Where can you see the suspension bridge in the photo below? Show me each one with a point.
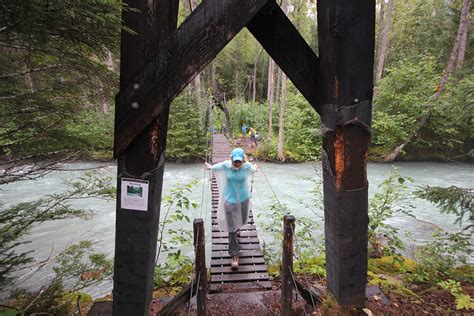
(252, 274)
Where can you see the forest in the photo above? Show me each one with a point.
(59, 77)
(59, 74)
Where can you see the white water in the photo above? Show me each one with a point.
(286, 181)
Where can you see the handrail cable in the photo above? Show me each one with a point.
(298, 249)
(294, 284)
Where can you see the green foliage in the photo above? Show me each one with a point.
(423, 27)
(311, 264)
(186, 136)
(16, 221)
(94, 133)
(56, 66)
(403, 97)
(391, 265)
(389, 284)
(78, 267)
(436, 260)
(304, 239)
(390, 200)
(177, 268)
(251, 114)
(451, 200)
(268, 148)
(303, 138)
(463, 300)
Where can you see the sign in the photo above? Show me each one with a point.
(134, 194)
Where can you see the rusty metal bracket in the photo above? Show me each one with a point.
(333, 115)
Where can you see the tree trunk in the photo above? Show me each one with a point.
(281, 129)
(254, 75)
(213, 78)
(197, 79)
(383, 44)
(270, 93)
(381, 17)
(463, 22)
(278, 85)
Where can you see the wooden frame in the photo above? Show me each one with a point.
(338, 85)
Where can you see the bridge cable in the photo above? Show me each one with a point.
(297, 248)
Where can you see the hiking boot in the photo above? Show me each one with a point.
(235, 263)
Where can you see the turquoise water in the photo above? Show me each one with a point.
(289, 182)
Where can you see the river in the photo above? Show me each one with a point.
(287, 181)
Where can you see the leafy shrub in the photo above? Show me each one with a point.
(176, 270)
(387, 202)
(463, 300)
(436, 260)
(303, 138)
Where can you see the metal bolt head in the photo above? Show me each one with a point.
(136, 86)
(135, 105)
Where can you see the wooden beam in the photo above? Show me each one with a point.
(200, 265)
(137, 230)
(346, 32)
(282, 41)
(287, 283)
(186, 52)
(171, 308)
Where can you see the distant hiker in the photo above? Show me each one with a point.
(244, 132)
(253, 134)
(233, 179)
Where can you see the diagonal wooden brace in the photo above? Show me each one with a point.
(184, 54)
(282, 41)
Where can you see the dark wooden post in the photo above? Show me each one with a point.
(346, 47)
(200, 262)
(287, 283)
(142, 162)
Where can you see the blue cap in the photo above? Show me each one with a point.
(238, 154)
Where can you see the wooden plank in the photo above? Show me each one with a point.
(242, 261)
(242, 253)
(242, 240)
(242, 269)
(241, 246)
(240, 277)
(248, 286)
(197, 41)
(246, 227)
(243, 233)
(282, 41)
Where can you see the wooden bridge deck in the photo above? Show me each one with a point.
(252, 274)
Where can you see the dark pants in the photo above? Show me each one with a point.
(233, 238)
